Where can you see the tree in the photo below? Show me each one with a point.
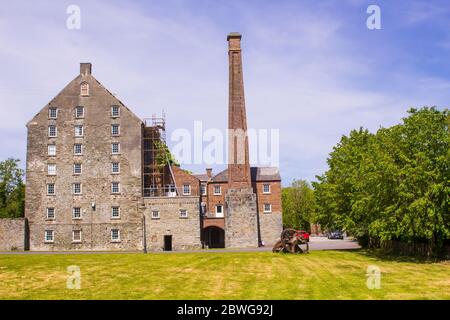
(392, 185)
(298, 205)
(12, 189)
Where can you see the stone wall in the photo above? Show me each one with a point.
(270, 227)
(185, 232)
(12, 234)
(241, 218)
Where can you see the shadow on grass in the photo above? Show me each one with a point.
(386, 256)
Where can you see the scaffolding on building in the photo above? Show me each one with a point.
(157, 176)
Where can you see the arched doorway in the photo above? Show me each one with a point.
(214, 237)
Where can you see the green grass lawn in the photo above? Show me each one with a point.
(249, 275)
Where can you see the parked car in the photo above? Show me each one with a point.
(336, 235)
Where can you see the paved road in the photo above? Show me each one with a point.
(316, 243)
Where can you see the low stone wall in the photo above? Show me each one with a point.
(12, 234)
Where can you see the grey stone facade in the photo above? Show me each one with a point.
(241, 229)
(12, 234)
(96, 199)
(184, 231)
(270, 227)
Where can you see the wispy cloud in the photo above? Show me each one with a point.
(311, 69)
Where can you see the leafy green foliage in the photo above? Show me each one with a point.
(392, 185)
(12, 189)
(298, 205)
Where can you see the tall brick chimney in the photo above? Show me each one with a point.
(238, 154)
(85, 68)
(209, 172)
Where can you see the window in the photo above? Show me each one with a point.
(77, 168)
(217, 190)
(155, 214)
(51, 169)
(50, 213)
(115, 129)
(77, 149)
(76, 188)
(115, 148)
(115, 212)
(219, 210)
(115, 235)
(49, 236)
(115, 167)
(50, 188)
(79, 131)
(76, 213)
(267, 207)
(84, 89)
(186, 189)
(52, 131)
(115, 111)
(79, 112)
(183, 213)
(51, 149)
(53, 113)
(266, 188)
(203, 189)
(115, 187)
(76, 235)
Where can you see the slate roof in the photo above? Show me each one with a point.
(257, 174)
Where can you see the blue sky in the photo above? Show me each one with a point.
(311, 68)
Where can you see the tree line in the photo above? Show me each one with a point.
(12, 189)
(392, 185)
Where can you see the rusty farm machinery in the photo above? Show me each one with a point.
(292, 241)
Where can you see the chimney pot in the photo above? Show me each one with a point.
(85, 68)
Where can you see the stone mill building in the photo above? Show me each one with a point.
(99, 178)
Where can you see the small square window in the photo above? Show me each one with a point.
(183, 213)
(186, 189)
(53, 113)
(52, 131)
(50, 188)
(115, 235)
(76, 213)
(76, 235)
(155, 214)
(51, 149)
(115, 167)
(79, 131)
(115, 212)
(115, 111)
(115, 129)
(76, 188)
(77, 149)
(217, 190)
(79, 112)
(267, 207)
(49, 236)
(77, 168)
(50, 213)
(115, 187)
(51, 169)
(266, 188)
(115, 148)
